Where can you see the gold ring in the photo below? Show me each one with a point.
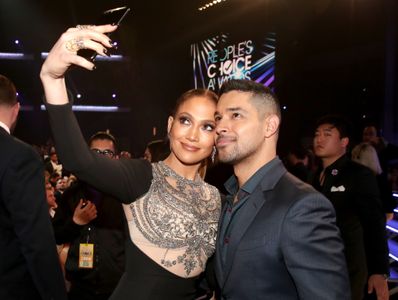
(74, 45)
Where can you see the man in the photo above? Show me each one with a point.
(89, 220)
(277, 236)
(352, 188)
(53, 165)
(29, 267)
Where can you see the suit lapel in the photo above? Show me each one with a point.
(256, 201)
(218, 268)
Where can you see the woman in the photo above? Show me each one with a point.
(172, 213)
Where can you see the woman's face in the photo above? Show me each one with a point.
(192, 130)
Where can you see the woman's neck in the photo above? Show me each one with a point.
(188, 171)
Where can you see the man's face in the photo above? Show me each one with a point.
(239, 128)
(51, 201)
(61, 184)
(327, 142)
(104, 147)
(369, 135)
(54, 157)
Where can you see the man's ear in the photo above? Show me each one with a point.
(169, 124)
(271, 125)
(345, 141)
(15, 111)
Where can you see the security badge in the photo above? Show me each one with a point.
(86, 256)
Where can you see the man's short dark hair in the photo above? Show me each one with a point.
(339, 122)
(261, 95)
(102, 135)
(8, 93)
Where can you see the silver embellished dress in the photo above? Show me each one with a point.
(172, 228)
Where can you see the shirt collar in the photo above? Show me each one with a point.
(232, 186)
(5, 127)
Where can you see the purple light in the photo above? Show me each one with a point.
(113, 96)
(270, 80)
(78, 96)
(17, 94)
(284, 107)
(16, 42)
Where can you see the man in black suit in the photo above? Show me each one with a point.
(277, 236)
(29, 266)
(353, 190)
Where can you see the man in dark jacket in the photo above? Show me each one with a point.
(29, 267)
(353, 190)
(92, 223)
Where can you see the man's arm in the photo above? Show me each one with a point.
(313, 250)
(25, 200)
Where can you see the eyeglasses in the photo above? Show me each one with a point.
(105, 152)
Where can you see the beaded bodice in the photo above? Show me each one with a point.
(178, 214)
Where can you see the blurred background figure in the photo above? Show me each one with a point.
(53, 165)
(86, 217)
(365, 154)
(298, 162)
(157, 150)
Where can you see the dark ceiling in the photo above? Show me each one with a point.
(331, 57)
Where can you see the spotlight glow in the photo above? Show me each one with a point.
(78, 96)
(16, 42)
(210, 4)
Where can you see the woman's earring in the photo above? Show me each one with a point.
(213, 154)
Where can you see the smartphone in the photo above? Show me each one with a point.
(112, 16)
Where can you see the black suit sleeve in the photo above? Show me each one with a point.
(65, 229)
(367, 201)
(125, 179)
(23, 188)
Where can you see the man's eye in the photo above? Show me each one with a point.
(236, 115)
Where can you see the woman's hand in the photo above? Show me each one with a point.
(64, 54)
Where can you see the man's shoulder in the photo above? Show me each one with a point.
(14, 147)
(293, 189)
(353, 168)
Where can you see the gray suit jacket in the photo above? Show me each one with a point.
(287, 245)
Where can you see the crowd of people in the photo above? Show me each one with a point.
(163, 226)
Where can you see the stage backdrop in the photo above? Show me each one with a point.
(225, 56)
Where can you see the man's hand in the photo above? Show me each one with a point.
(84, 214)
(378, 283)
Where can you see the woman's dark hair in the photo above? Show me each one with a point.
(159, 150)
(194, 93)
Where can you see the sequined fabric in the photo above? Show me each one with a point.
(178, 213)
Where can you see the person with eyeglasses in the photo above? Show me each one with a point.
(92, 224)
